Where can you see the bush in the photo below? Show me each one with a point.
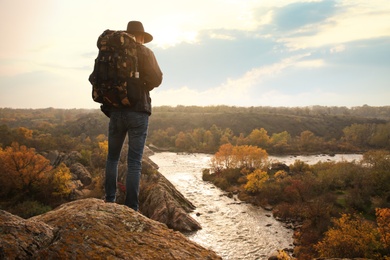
(30, 208)
(221, 183)
(232, 175)
(351, 237)
(206, 175)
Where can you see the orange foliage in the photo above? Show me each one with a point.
(383, 221)
(229, 156)
(351, 237)
(25, 132)
(21, 169)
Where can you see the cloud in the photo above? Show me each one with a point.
(301, 14)
(210, 51)
(248, 89)
(350, 23)
(338, 48)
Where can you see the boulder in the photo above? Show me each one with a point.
(81, 173)
(92, 229)
(56, 158)
(161, 201)
(22, 239)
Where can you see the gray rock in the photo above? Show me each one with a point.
(81, 173)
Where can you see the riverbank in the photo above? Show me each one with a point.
(307, 194)
(230, 227)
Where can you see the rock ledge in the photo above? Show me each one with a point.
(92, 229)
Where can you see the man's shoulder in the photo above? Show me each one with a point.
(143, 49)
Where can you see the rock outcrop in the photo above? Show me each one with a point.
(92, 229)
(159, 199)
(81, 178)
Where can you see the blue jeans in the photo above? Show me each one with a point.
(135, 126)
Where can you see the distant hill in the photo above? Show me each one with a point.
(322, 121)
(327, 122)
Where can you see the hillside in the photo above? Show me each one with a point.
(328, 126)
(327, 122)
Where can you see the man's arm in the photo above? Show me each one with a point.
(150, 73)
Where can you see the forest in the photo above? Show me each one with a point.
(326, 199)
(308, 130)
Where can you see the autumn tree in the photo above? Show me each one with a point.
(250, 157)
(383, 221)
(379, 163)
(25, 133)
(22, 170)
(358, 134)
(309, 142)
(280, 141)
(259, 137)
(227, 136)
(185, 142)
(57, 183)
(351, 237)
(224, 157)
(256, 180)
(229, 156)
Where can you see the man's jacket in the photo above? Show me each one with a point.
(150, 77)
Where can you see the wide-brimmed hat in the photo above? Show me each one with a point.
(135, 27)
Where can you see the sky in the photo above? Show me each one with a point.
(280, 53)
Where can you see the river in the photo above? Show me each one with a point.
(232, 229)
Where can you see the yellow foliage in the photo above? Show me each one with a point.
(351, 237)
(259, 137)
(101, 138)
(280, 175)
(383, 221)
(25, 132)
(103, 146)
(229, 156)
(60, 181)
(256, 180)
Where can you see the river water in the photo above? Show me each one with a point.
(232, 229)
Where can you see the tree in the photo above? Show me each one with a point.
(256, 181)
(383, 221)
(380, 138)
(25, 133)
(227, 136)
(379, 162)
(358, 134)
(259, 137)
(351, 237)
(58, 181)
(251, 157)
(22, 170)
(229, 156)
(308, 142)
(224, 157)
(280, 141)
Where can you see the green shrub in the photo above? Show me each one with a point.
(29, 208)
(206, 175)
(221, 183)
(232, 175)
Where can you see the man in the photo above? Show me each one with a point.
(132, 121)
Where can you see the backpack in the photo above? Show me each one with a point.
(115, 70)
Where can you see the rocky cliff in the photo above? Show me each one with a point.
(159, 199)
(92, 229)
